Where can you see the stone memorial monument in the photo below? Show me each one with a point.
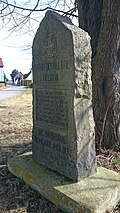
(63, 126)
(63, 158)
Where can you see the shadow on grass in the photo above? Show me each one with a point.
(15, 195)
(10, 150)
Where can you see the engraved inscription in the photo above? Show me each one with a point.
(52, 107)
(54, 66)
(49, 138)
(53, 146)
(53, 149)
(50, 77)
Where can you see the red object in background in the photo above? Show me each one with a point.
(1, 63)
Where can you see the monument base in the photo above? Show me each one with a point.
(99, 193)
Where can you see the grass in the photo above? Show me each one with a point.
(15, 138)
(15, 125)
(117, 161)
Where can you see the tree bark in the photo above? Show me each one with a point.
(100, 18)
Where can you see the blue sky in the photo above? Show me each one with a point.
(15, 45)
(13, 54)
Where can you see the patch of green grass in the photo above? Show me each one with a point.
(117, 161)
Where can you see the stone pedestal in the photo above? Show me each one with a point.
(98, 193)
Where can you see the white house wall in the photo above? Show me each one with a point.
(1, 74)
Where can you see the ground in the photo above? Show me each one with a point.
(15, 138)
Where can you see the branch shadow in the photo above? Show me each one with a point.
(15, 194)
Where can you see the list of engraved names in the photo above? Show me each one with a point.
(52, 107)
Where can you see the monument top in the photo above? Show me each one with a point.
(50, 14)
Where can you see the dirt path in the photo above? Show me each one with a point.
(11, 91)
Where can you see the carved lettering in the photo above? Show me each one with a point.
(52, 66)
(53, 146)
(50, 77)
(52, 107)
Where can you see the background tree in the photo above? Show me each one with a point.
(13, 74)
(101, 19)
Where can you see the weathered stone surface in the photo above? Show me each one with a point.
(63, 127)
(98, 193)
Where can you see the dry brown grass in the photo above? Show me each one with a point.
(15, 138)
(15, 124)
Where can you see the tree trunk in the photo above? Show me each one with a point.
(100, 18)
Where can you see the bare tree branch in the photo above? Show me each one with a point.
(19, 19)
(38, 10)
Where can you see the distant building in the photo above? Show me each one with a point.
(2, 75)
